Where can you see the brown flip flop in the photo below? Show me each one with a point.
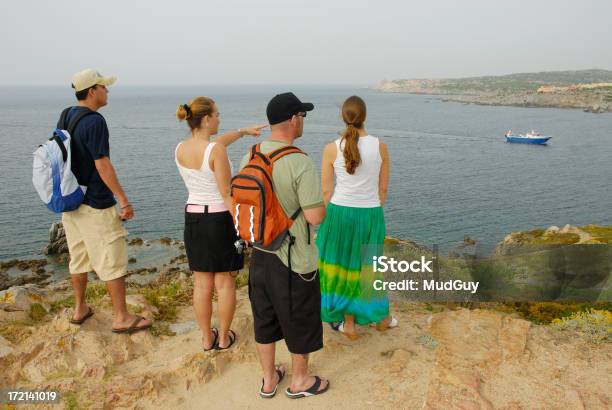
(133, 327)
(82, 320)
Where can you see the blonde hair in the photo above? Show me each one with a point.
(195, 110)
(353, 115)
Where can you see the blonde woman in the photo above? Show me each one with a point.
(209, 233)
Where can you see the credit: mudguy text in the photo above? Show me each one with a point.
(384, 264)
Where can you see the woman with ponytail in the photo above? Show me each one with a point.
(354, 224)
(209, 232)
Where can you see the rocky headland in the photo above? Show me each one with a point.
(589, 90)
(442, 356)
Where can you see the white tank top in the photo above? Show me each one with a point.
(201, 183)
(359, 190)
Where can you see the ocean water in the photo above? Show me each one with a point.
(452, 174)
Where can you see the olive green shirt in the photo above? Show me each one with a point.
(297, 185)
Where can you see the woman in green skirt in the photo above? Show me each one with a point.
(354, 228)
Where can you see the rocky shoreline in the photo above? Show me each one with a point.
(588, 90)
(443, 355)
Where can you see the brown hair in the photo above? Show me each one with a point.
(353, 115)
(198, 108)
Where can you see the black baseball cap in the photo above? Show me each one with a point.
(284, 106)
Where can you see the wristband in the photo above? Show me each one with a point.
(127, 206)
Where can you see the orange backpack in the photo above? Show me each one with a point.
(258, 216)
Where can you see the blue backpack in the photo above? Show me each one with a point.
(52, 175)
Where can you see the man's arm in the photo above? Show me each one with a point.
(327, 172)
(315, 216)
(309, 193)
(109, 177)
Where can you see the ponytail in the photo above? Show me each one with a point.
(353, 115)
(352, 157)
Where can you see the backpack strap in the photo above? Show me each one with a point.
(74, 121)
(59, 138)
(281, 152)
(256, 151)
(61, 123)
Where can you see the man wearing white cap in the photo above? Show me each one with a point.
(94, 232)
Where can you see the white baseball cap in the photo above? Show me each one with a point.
(88, 78)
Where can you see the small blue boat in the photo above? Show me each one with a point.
(528, 138)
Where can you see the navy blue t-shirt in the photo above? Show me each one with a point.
(90, 142)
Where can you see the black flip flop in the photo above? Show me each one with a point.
(311, 391)
(82, 320)
(133, 327)
(215, 340)
(334, 325)
(232, 338)
(269, 395)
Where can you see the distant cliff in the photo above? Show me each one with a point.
(590, 90)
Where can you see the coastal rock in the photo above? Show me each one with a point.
(474, 346)
(588, 90)
(57, 240)
(34, 265)
(182, 258)
(136, 242)
(141, 303)
(181, 328)
(38, 277)
(5, 347)
(14, 299)
(13, 316)
(21, 298)
(480, 359)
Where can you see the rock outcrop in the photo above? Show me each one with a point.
(446, 359)
(57, 240)
(589, 90)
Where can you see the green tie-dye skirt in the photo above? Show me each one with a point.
(347, 240)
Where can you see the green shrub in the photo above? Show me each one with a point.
(595, 324)
(37, 312)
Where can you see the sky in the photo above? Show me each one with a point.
(187, 42)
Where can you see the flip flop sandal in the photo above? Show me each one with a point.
(268, 395)
(133, 327)
(351, 336)
(392, 323)
(82, 320)
(215, 332)
(334, 325)
(311, 391)
(232, 338)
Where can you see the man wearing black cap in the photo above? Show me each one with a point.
(289, 306)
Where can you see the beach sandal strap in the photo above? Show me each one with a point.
(82, 320)
(215, 333)
(133, 326)
(315, 387)
(232, 337)
(281, 375)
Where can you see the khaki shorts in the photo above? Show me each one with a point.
(97, 241)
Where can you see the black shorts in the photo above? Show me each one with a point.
(284, 305)
(209, 242)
